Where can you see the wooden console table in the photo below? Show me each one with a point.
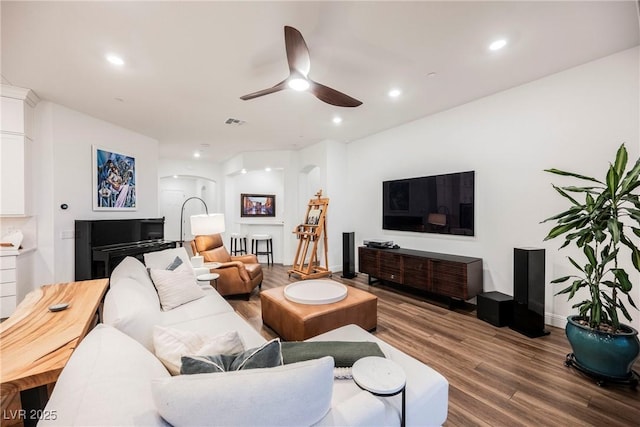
(35, 344)
(452, 276)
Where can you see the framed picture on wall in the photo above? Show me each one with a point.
(114, 181)
(257, 205)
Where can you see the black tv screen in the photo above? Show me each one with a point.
(431, 204)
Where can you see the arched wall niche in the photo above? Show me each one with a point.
(173, 191)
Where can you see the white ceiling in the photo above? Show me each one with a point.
(187, 63)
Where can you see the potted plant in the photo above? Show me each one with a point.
(602, 221)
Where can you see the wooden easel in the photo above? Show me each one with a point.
(309, 234)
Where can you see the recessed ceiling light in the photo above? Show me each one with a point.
(243, 171)
(298, 84)
(115, 60)
(267, 169)
(394, 93)
(498, 44)
(196, 154)
(337, 120)
(175, 176)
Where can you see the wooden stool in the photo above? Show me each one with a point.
(238, 244)
(256, 239)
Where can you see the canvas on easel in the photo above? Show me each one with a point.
(307, 263)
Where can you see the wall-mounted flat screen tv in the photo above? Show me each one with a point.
(431, 204)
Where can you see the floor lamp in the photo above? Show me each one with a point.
(182, 214)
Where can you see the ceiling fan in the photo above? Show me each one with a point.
(299, 66)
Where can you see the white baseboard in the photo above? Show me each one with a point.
(555, 320)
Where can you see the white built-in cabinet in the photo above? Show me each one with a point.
(16, 142)
(8, 280)
(16, 124)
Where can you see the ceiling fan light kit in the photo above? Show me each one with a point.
(299, 66)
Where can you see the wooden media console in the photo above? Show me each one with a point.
(453, 276)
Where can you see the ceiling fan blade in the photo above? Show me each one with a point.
(332, 96)
(297, 51)
(280, 86)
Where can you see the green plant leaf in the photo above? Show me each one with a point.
(574, 189)
(570, 212)
(562, 229)
(631, 176)
(565, 195)
(621, 160)
(636, 231)
(623, 279)
(575, 175)
(590, 254)
(631, 303)
(575, 264)
(612, 180)
(614, 228)
(561, 279)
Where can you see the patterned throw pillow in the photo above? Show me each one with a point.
(267, 356)
(170, 344)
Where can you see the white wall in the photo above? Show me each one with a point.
(63, 174)
(573, 120)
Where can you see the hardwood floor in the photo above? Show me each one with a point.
(497, 377)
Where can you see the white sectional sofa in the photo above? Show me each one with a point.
(113, 377)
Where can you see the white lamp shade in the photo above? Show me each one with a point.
(207, 224)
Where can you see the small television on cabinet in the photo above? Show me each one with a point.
(431, 204)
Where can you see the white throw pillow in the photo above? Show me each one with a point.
(290, 395)
(175, 287)
(171, 344)
(162, 259)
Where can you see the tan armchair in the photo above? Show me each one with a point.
(238, 274)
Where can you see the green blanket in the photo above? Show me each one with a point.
(344, 353)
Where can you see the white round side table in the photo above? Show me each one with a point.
(381, 377)
(209, 277)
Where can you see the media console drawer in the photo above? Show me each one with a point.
(453, 276)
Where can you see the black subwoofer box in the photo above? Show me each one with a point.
(495, 308)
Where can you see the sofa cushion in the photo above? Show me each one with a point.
(268, 355)
(133, 309)
(243, 398)
(107, 381)
(170, 344)
(175, 287)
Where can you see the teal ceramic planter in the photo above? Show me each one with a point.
(601, 353)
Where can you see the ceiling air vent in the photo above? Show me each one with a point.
(235, 122)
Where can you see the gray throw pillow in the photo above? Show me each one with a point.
(344, 353)
(267, 356)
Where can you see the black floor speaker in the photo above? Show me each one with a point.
(348, 255)
(528, 292)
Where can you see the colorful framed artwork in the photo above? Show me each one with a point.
(114, 181)
(257, 205)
